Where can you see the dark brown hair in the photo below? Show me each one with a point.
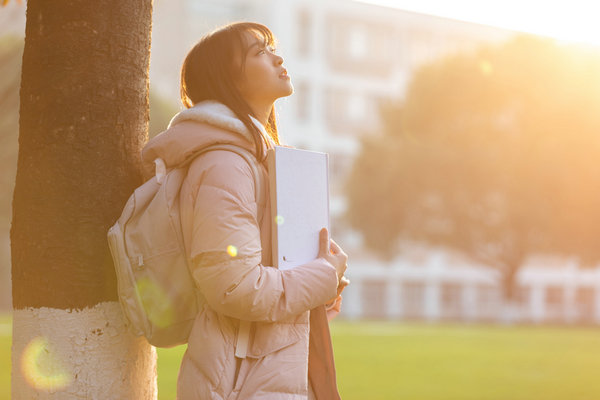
(209, 72)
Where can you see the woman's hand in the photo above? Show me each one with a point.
(334, 306)
(329, 250)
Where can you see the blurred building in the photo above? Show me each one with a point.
(345, 59)
(439, 286)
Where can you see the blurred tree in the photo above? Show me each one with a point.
(494, 154)
(83, 120)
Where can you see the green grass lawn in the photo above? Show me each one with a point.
(416, 361)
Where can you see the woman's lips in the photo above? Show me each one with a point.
(284, 75)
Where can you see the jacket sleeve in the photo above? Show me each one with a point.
(226, 250)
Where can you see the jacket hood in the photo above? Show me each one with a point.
(195, 128)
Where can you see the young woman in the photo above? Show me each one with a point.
(261, 333)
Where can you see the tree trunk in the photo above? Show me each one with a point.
(83, 120)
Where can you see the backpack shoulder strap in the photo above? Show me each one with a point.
(247, 156)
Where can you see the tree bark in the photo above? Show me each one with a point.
(83, 120)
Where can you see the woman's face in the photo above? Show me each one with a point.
(263, 79)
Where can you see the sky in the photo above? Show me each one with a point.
(573, 20)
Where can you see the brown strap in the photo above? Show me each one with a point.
(321, 367)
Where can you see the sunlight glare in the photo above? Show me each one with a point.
(156, 302)
(486, 68)
(232, 250)
(573, 21)
(42, 368)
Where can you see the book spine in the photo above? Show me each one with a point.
(328, 194)
(272, 171)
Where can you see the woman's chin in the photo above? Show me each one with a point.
(290, 89)
(284, 90)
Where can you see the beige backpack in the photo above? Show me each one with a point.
(156, 291)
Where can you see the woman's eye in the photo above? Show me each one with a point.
(269, 49)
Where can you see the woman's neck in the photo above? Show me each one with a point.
(262, 112)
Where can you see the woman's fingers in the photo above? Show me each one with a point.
(335, 249)
(342, 285)
(323, 242)
(333, 253)
(344, 282)
(338, 253)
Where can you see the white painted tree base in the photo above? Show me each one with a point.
(86, 354)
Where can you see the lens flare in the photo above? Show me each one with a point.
(42, 367)
(156, 302)
(279, 220)
(486, 68)
(232, 250)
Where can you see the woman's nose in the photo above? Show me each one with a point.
(278, 59)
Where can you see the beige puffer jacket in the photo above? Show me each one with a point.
(219, 212)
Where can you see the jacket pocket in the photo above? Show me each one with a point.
(268, 337)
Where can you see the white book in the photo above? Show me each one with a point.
(299, 188)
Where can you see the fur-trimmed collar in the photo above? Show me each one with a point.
(207, 123)
(219, 115)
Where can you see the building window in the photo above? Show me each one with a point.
(304, 33)
(413, 299)
(302, 98)
(488, 301)
(554, 302)
(451, 300)
(358, 43)
(585, 298)
(522, 295)
(334, 109)
(349, 112)
(554, 296)
(340, 166)
(356, 107)
(359, 47)
(373, 299)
